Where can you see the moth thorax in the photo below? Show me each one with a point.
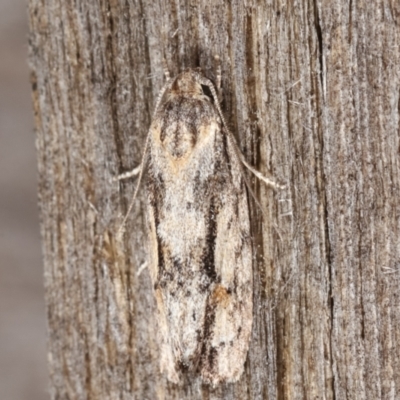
(186, 84)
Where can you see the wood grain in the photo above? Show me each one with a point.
(311, 90)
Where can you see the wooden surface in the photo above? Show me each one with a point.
(311, 91)
(22, 306)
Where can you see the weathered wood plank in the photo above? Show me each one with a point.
(311, 90)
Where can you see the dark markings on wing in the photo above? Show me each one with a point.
(208, 258)
(184, 111)
(205, 355)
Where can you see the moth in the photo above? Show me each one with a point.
(199, 232)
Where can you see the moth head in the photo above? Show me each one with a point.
(186, 83)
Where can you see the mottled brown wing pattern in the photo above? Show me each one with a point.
(199, 230)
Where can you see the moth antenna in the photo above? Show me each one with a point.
(259, 175)
(219, 76)
(166, 70)
(238, 154)
(142, 163)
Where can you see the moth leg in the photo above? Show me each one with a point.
(128, 174)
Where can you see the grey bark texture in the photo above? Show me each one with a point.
(311, 91)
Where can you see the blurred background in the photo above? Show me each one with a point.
(23, 369)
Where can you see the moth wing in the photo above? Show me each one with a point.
(232, 297)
